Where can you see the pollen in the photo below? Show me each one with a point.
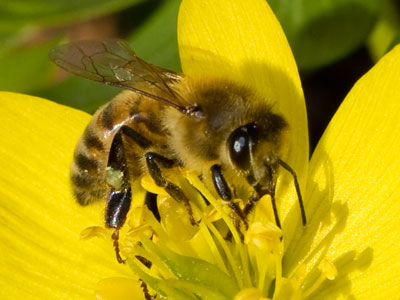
(114, 177)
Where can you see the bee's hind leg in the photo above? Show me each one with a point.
(119, 198)
(154, 161)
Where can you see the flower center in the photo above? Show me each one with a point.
(217, 259)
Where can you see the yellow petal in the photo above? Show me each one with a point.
(244, 42)
(354, 191)
(119, 289)
(42, 256)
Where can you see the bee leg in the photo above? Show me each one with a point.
(119, 198)
(153, 161)
(143, 284)
(228, 236)
(250, 204)
(236, 222)
(145, 290)
(144, 261)
(118, 204)
(262, 190)
(115, 238)
(269, 189)
(151, 203)
(254, 198)
(225, 193)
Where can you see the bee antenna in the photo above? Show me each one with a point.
(296, 184)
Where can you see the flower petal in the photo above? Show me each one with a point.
(42, 256)
(244, 42)
(354, 191)
(119, 288)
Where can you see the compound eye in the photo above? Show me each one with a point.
(239, 147)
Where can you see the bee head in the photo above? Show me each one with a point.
(254, 148)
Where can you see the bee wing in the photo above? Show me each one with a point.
(113, 62)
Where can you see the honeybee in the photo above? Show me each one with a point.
(164, 119)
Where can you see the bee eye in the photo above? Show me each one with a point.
(239, 144)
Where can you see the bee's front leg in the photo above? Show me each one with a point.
(269, 189)
(225, 193)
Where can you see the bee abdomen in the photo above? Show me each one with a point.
(88, 169)
(85, 196)
(107, 116)
(92, 141)
(86, 163)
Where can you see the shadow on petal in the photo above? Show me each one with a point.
(346, 264)
(328, 217)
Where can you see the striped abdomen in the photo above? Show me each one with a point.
(90, 159)
(88, 170)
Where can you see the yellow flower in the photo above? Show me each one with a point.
(349, 249)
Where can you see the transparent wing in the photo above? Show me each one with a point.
(113, 62)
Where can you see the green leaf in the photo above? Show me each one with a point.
(323, 31)
(28, 69)
(386, 30)
(395, 42)
(25, 69)
(18, 13)
(80, 93)
(156, 40)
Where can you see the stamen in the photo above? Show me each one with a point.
(175, 219)
(328, 268)
(265, 237)
(195, 181)
(184, 256)
(198, 184)
(250, 294)
(134, 233)
(141, 219)
(211, 214)
(328, 271)
(158, 268)
(228, 254)
(94, 231)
